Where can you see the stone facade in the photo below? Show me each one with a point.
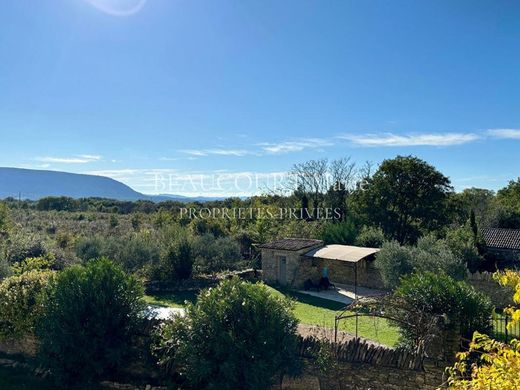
(300, 268)
(297, 268)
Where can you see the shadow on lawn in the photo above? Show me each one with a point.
(313, 301)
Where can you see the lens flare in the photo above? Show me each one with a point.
(118, 7)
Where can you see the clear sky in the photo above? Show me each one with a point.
(126, 88)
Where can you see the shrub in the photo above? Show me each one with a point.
(21, 246)
(394, 261)
(430, 255)
(433, 255)
(88, 248)
(90, 316)
(339, 233)
(465, 309)
(177, 261)
(215, 254)
(5, 221)
(21, 302)
(462, 243)
(237, 336)
(371, 237)
(33, 264)
(5, 270)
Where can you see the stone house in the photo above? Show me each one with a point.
(503, 245)
(291, 261)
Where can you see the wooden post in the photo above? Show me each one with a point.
(355, 296)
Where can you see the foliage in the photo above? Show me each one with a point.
(463, 242)
(462, 307)
(5, 269)
(21, 246)
(21, 302)
(429, 255)
(5, 220)
(237, 336)
(339, 233)
(498, 364)
(215, 254)
(370, 237)
(509, 196)
(88, 248)
(33, 264)
(176, 263)
(406, 197)
(433, 255)
(394, 261)
(90, 316)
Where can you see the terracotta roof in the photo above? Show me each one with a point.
(348, 253)
(291, 244)
(502, 238)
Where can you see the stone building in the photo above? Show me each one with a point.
(503, 245)
(292, 261)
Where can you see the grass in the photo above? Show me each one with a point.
(171, 299)
(309, 310)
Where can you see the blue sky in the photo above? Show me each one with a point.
(135, 88)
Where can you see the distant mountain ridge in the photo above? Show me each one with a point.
(36, 184)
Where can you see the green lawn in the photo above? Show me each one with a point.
(311, 311)
(171, 299)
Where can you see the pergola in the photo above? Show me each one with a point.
(348, 254)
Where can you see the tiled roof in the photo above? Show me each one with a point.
(291, 244)
(502, 238)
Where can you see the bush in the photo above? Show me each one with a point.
(177, 262)
(339, 233)
(463, 244)
(433, 255)
(237, 336)
(90, 316)
(394, 261)
(430, 255)
(465, 309)
(371, 237)
(21, 246)
(21, 299)
(89, 248)
(33, 264)
(215, 254)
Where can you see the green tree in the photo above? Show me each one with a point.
(509, 196)
(393, 261)
(429, 255)
(406, 197)
(90, 317)
(237, 336)
(177, 261)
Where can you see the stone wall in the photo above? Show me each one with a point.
(298, 269)
(483, 281)
(359, 376)
(362, 365)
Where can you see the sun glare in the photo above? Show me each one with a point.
(118, 7)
